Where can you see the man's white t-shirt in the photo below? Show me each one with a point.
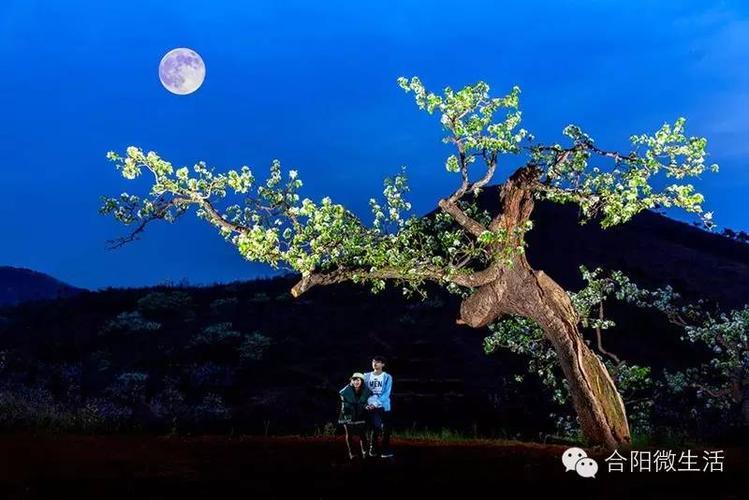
(375, 384)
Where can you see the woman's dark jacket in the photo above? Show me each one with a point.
(352, 405)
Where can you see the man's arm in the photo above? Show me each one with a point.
(387, 385)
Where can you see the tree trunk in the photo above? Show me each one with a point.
(522, 291)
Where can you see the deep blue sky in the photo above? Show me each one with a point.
(313, 84)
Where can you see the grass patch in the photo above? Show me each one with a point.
(452, 435)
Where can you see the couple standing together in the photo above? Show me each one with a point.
(365, 411)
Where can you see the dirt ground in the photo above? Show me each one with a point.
(152, 467)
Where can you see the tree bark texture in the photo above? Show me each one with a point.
(523, 291)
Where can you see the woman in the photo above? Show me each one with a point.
(353, 413)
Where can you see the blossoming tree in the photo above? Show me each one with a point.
(470, 251)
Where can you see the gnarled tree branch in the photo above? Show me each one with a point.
(162, 208)
(516, 200)
(466, 222)
(469, 280)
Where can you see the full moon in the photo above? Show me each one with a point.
(182, 71)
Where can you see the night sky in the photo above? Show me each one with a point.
(313, 84)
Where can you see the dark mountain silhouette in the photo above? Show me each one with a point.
(652, 249)
(20, 285)
(249, 357)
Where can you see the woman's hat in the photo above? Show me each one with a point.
(358, 375)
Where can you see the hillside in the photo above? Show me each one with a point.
(249, 357)
(20, 285)
(652, 249)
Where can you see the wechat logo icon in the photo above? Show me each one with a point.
(577, 460)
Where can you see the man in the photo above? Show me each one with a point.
(380, 383)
